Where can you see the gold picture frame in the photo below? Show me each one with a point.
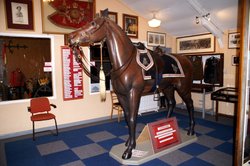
(130, 25)
(202, 43)
(156, 39)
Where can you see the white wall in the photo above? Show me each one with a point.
(14, 118)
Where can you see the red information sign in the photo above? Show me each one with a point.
(164, 134)
(72, 76)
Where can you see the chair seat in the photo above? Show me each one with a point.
(116, 104)
(40, 117)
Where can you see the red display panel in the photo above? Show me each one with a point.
(72, 76)
(164, 134)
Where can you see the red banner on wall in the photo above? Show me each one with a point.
(72, 76)
(71, 13)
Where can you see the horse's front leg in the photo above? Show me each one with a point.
(125, 106)
(134, 101)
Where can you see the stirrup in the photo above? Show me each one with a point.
(156, 94)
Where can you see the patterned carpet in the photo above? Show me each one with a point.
(90, 145)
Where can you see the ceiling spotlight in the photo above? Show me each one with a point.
(197, 20)
(154, 22)
(207, 16)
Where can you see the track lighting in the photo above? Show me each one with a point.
(205, 16)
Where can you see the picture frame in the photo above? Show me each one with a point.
(64, 22)
(156, 39)
(233, 40)
(202, 43)
(235, 60)
(19, 14)
(113, 16)
(130, 25)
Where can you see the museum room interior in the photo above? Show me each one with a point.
(186, 49)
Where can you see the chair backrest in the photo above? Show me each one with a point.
(40, 104)
(114, 97)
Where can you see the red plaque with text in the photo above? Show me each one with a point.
(72, 76)
(164, 134)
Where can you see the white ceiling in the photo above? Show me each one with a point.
(178, 16)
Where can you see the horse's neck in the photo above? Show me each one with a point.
(119, 45)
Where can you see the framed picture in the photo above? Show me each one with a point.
(19, 14)
(113, 16)
(196, 44)
(130, 25)
(235, 60)
(156, 39)
(74, 15)
(234, 40)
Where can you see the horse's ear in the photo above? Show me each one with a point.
(105, 13)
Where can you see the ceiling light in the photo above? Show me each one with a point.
(154, 22)
(207, 16)
(197, 20)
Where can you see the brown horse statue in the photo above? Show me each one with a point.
(126, 75)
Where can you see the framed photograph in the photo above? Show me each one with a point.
(235, 60)
(156, 39)
(113, 16)
(196, 44)
(74, 15)
(19, 14)
(234, 40)
(130, 25)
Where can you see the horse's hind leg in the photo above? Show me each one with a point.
(189, 104)
(169, 94)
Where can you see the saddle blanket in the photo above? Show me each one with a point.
(172, 66)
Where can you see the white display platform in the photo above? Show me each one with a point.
(146, 146)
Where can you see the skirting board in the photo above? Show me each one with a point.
(146, 146)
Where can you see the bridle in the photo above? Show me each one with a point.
(79, 55)
(78, 52)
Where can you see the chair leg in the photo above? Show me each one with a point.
(56, 126)
(119, 114)
(111, 113)
(33, 124)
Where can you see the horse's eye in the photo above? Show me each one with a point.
(93, 23)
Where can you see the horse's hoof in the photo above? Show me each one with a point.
(126, 155)
(190, 133)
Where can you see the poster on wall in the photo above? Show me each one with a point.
(72, 76)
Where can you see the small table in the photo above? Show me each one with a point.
(228, 94)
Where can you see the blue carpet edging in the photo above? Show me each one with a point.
(25, 152)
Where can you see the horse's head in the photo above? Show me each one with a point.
(92, 32)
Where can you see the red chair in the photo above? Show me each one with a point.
(40, 109)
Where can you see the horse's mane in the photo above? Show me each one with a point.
(118, 30)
